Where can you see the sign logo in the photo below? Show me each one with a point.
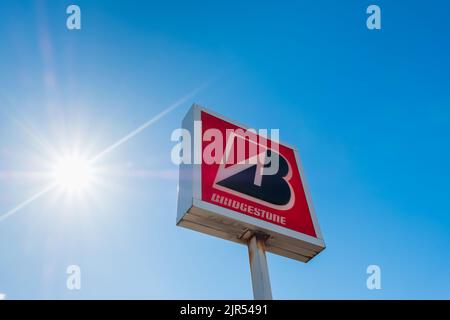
(254, 178)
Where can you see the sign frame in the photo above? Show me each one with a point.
(196, 214)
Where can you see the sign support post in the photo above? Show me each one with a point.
(259, 268)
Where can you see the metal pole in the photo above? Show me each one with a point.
(259, 268)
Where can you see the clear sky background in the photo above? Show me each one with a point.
(368, 110)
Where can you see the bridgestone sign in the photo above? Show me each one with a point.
(240, 182)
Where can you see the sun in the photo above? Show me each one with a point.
(73, 172)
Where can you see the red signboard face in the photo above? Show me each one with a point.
(278, 198)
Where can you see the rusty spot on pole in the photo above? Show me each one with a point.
(258, 266)
(260, 239)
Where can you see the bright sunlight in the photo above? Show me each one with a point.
(73, 172)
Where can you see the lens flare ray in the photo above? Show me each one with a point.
(28, 201)
(148, 123)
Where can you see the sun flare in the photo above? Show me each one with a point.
(73, 173)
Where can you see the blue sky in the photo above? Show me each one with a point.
(368, 110)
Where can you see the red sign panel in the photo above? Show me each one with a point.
(238, 184)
